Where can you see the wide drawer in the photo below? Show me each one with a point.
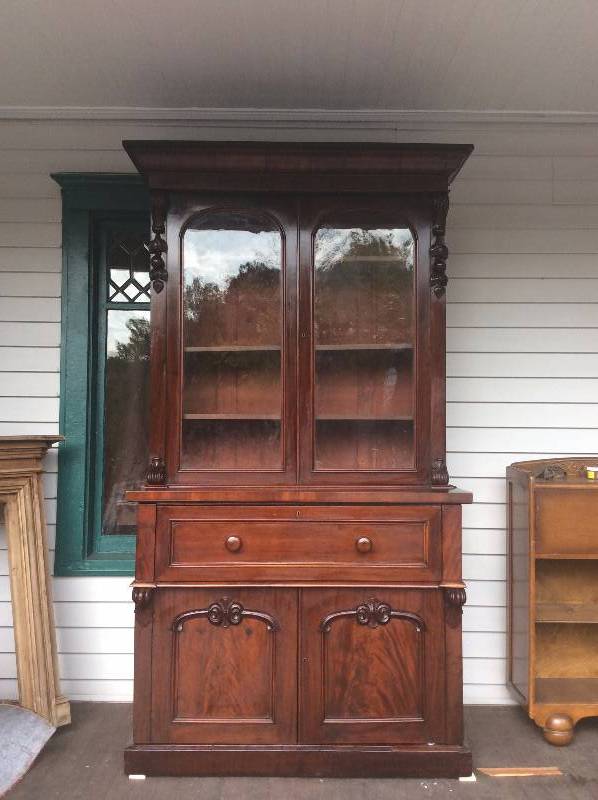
(301, 543)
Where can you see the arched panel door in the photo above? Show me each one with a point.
(364, 313)
(236, 307)
(224, 666)
(372, 666)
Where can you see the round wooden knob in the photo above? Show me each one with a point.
(363, 544)
(233, 544)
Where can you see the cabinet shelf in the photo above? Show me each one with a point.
(567, 612)
(233, 416)
(567, 690)
(360, 418)
(370, 259)
(235, 348)
(567, 556)
(364, 346)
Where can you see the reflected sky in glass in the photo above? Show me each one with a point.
(215, 256)
(335, 244)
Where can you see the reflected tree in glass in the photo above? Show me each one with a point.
(364, 297)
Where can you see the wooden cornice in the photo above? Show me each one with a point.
(307, 166)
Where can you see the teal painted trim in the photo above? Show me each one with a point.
(116, 545)
(96, 192)
(85, 198)
(99, 566)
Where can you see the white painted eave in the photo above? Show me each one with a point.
(315, 116)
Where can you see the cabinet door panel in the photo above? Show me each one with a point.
(364, 345)
(232, 340)
(371, 661)
(224, 666)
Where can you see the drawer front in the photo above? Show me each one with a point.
(567, 522)
(393, 543)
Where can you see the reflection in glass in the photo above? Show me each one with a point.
(125, 415)
(232, 301)
(364, 340)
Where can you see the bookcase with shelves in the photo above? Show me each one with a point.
(553, 593)
(298, 587)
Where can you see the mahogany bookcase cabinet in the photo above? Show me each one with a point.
(298, 584)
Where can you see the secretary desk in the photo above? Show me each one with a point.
(298, 588)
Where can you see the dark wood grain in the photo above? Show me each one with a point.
(224, 683)
(290, 543)
(371, 683)
(298, 585)
(407, 761)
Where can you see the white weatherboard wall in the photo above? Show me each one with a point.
(522, 343)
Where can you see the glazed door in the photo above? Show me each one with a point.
(372, 666)
(224, 666)
(231, 413)
(364, 340)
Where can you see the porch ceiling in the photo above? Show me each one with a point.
(524, 55)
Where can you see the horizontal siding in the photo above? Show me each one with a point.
(522, 359)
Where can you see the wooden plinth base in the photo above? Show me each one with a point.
(421, 761)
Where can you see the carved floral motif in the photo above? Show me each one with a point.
(224, 613)
(372, 613)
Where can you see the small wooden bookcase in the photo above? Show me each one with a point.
(553, 592)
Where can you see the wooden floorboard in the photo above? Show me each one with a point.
(85, 762)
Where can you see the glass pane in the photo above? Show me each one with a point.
(232, 335)
(125, 415)
(128, 269)
(364, 339)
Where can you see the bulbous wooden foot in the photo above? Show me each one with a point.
(558, 730)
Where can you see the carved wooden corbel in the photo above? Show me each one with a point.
(157, 247)
(142, 597)
(156, 472)
(438, 250)
(454, 600)
(455, 597)
(440, 476)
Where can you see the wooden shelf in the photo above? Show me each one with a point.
(359, 418)
(234, 348)
(373, 346)
(234, 416)
(567, 556)
(369, 259)
(567, 612)
(567, 690)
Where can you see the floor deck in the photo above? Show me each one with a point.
(85, 761)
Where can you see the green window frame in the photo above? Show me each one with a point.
(92, 204)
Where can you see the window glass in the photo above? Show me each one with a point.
(364, 337)
(232, 342)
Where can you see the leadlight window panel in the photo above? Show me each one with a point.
(123, 372)
(127, 258)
